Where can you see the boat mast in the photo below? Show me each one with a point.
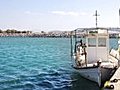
(96, 15)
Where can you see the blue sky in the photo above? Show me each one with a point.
(50, 15)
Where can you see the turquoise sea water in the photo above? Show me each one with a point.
(40, 64)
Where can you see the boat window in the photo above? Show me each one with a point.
(92, 42)
(102, 42)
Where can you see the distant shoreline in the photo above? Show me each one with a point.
(52, 34)
(44, 35)
(32, 35)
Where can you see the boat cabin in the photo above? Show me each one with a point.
(97, 45)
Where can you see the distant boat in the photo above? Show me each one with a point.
(91, 56)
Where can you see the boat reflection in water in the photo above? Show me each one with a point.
(80, 83)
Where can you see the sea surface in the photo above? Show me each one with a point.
(40, 64)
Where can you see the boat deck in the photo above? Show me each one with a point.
(114, 83)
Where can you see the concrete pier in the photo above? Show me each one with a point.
(114, 83)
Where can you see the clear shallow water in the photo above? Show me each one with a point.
(39, 64)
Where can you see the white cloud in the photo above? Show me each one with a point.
(27, 12)
(59, 12)
(68, 13)
(32, 13)
(73, 13)
(65, 13)
(83, 13)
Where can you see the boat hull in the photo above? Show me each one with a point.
(96, 74)
(106, 74)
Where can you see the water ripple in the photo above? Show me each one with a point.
(38, 64)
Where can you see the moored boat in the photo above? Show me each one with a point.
(92, 57)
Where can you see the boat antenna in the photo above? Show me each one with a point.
(96, 15)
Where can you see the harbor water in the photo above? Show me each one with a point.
(40, 64)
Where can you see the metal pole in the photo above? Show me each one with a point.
(96, 15)
(75, 42)
(71, 44)
(119, 41)
(119, 17)
(96, 18)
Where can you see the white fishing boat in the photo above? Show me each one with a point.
(92, 57)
